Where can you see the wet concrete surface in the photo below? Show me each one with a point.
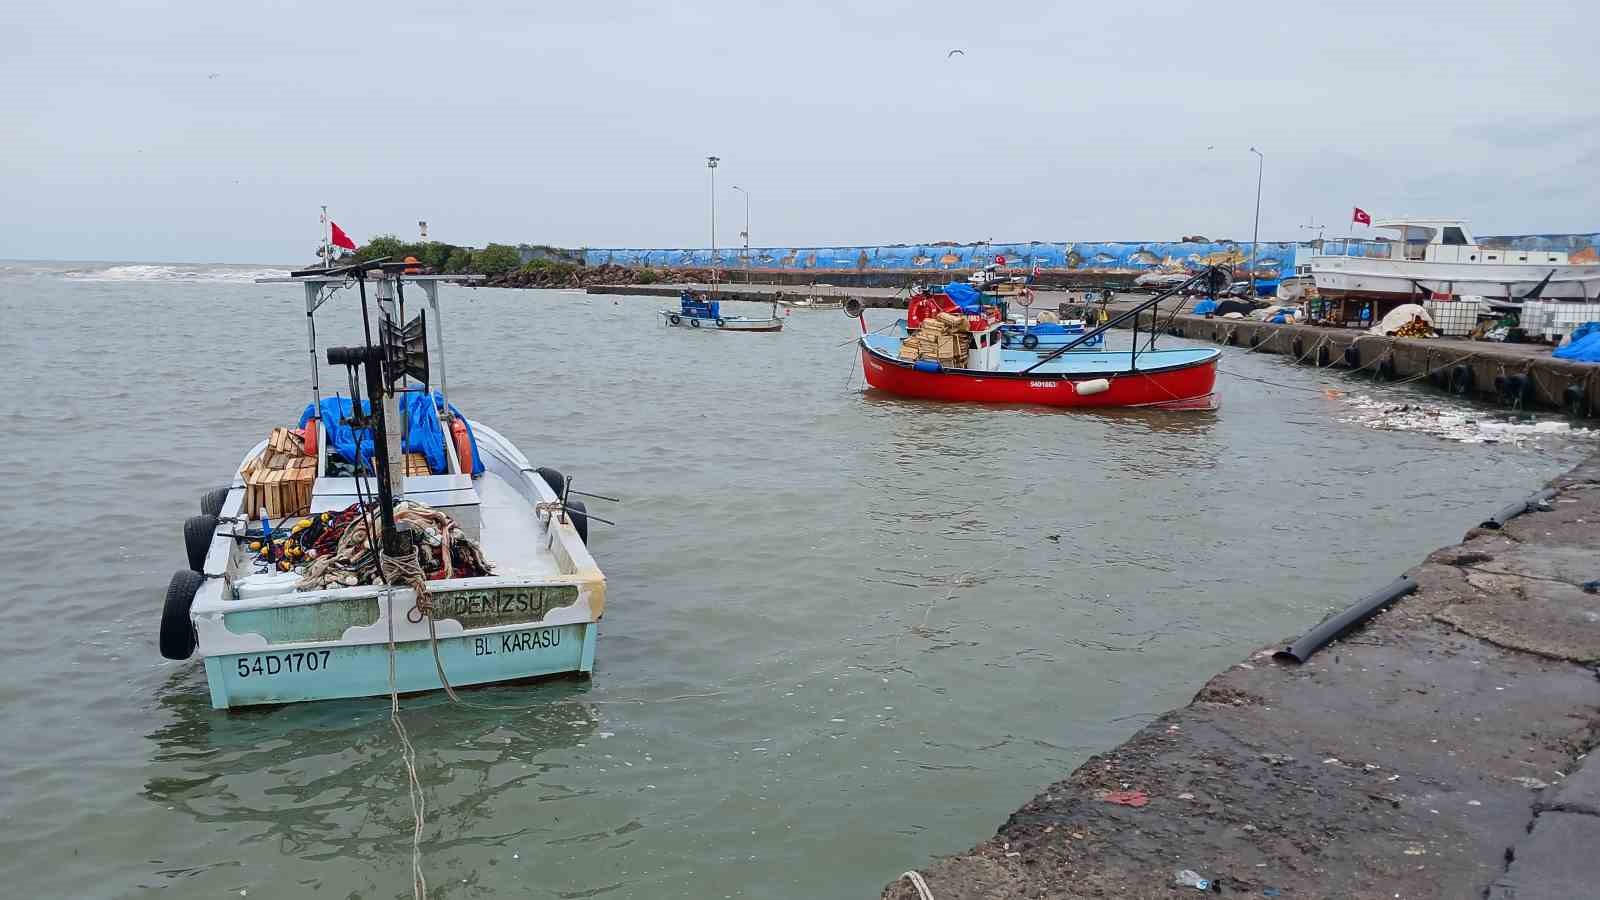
(1437, 752)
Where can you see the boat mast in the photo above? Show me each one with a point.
(711, 163)
(327, 249)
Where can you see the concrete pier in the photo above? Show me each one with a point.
(1520, 375)
(1440, 751)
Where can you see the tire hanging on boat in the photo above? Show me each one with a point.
(578, 513)
(675, 319)
(197, 534)
(554, 478)
(720, 323)
(211, 501)
(694, 323)
(177, 636)
(1030, 341)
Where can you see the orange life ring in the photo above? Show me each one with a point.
(308, 436)
(463, 442)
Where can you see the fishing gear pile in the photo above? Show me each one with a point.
(335, 549)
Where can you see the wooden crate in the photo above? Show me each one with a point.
(417, 464)
(279, 479)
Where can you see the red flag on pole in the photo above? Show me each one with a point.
(340, 239)
(1360, 216)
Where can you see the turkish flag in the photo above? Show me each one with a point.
(1360, 215)
(1000, 260)
(340, 239)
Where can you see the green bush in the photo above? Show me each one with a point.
(496, 259)
(647, 276)
(458, 262)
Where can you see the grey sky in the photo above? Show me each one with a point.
(588, 123)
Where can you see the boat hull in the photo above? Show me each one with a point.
(737, 323)
(1185, 387)
(1368, 278)
(335, 670)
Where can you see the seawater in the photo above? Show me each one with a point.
(845, 632)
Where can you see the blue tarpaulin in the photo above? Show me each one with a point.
(424, 431)
(1205, 307)
(963, 295)
(1585, 346)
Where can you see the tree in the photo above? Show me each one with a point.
(496, 259)
(381, 246)
(458, 262)
(436, 255)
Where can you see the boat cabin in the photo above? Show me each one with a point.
(1440, 240)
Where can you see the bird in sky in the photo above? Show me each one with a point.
(954, 52)
(213, 75)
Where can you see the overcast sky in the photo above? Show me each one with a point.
(195, 131)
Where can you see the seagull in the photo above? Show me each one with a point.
(213, 75)
(954, 52)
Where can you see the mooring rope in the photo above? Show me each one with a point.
(408, 756)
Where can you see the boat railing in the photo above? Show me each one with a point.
(1211, 279)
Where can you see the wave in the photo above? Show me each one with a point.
(1462, 426)
(149, 272)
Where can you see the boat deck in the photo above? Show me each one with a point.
(1076, 362)
(512, 540)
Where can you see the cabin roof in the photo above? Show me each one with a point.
(1418, 223)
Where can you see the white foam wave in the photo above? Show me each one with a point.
(146, 272)
(1462, 425)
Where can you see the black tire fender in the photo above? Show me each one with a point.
(1030, 341)
(675, 319)
(578, 515)
(1575, 401)
(1352, 357)
(554, 478)
(1005, 340)
(1461, 379)
(211, 501)
(197, 534)
(720, 323)
(177, 636)
(694, 323)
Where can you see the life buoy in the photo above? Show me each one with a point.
(309, 435)
(694, 323)
(463, 442)
(675, 319)
(1030, 341)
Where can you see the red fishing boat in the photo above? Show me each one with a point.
(967, 361)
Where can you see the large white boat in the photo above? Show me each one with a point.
(1440, 258)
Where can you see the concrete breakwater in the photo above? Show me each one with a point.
(1440, 751)
(1519, 375)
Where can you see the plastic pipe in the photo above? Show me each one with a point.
(1511, 511)
(1364, 609)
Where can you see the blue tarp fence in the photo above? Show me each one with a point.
(424, 429)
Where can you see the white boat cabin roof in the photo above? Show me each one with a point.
(1431, 231)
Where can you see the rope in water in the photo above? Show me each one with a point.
(408, 756)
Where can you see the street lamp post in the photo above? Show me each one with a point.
(746, 231)
(711, 163)
(1250, 275)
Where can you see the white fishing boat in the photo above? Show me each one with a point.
(1440, 258)
(456, 563)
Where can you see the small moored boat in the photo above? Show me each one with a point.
(957, 354)
(371, 551)
(695, 311)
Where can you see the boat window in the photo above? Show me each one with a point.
(1454, 236)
